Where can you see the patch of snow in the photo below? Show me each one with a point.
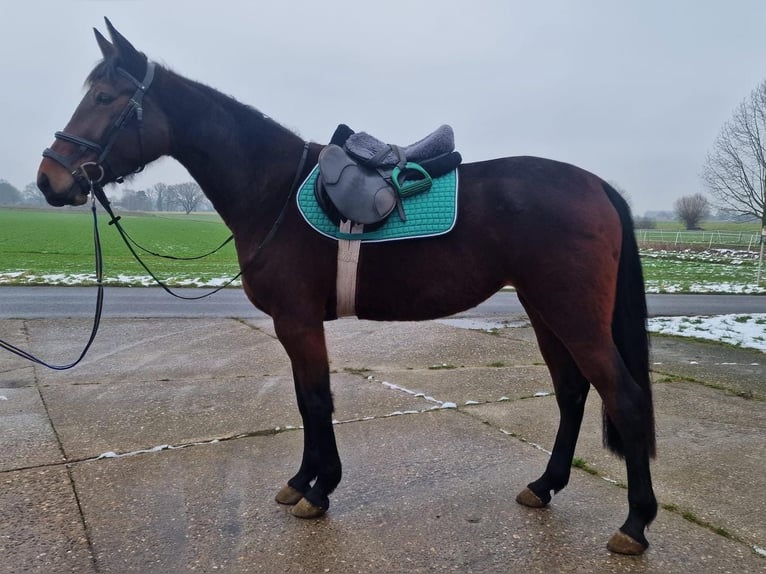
(742, 330)
(158, 448)
(416, 394)
(480, 324)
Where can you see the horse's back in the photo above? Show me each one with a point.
(529, 186)
(513, 214)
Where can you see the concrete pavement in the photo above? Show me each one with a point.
(426, 487)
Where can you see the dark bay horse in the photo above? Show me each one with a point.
(560, 235)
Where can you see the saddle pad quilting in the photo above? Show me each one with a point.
(428, 214)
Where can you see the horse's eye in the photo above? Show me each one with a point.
(104, 98)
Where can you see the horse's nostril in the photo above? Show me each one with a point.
(42, 183)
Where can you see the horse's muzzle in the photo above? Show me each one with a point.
(74, 195)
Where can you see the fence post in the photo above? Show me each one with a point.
(760, 257)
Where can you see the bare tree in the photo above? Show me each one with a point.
(32, 195)
(189, 195)
(9, 195)
(135, 200)
(162, 197)
(692, 209)
(735, 169)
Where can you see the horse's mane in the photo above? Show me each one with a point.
(106, 70)
(247, 117)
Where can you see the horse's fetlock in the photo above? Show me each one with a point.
(541, 490)
(317, 498)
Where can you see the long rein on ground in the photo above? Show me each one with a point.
(94, 187)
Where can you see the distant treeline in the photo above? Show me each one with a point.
(186, 197)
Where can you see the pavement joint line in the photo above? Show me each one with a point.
(686, 515)
(689, 516)
(453, 404)
(244, 321)
(287, 428)
(62, 450)
(440, 406)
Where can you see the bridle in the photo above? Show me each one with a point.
(135, 106)
(88, 184)
(95, 188)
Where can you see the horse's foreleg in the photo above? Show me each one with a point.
(320, 469)
(571, 393)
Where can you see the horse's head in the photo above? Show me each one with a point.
(115, 131)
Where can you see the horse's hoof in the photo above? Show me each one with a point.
(528, 498)
(288, 495)
(304, 509)
(621, 543)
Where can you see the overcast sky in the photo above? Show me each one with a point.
(635, 92)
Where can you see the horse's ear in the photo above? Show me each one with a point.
(107, 49)
(130, 58)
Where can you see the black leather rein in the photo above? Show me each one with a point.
(97, 316)
(94, 186)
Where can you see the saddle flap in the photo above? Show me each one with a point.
(360, 194)
(332, 161)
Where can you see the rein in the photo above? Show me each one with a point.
(94, 186)
(80, 174)
(96, 319)
(98, 193)
(175, 257)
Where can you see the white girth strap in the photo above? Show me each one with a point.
(348, 261)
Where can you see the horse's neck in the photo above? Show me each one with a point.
(243, 161)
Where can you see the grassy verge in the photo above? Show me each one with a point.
(55, 247)
(711, 271)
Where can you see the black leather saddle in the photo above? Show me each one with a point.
(363, 180)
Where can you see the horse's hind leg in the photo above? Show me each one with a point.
(582, 324)
(571, 392)
(626, 410)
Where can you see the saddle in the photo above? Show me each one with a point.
(363, 180)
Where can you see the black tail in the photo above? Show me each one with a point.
(629, 324)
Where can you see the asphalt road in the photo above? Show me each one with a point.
(42, 302)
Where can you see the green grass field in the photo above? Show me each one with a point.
(56, 247)
(49, 247)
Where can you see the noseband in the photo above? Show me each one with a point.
(135, 106)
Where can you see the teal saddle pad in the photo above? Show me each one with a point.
(428, 214)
